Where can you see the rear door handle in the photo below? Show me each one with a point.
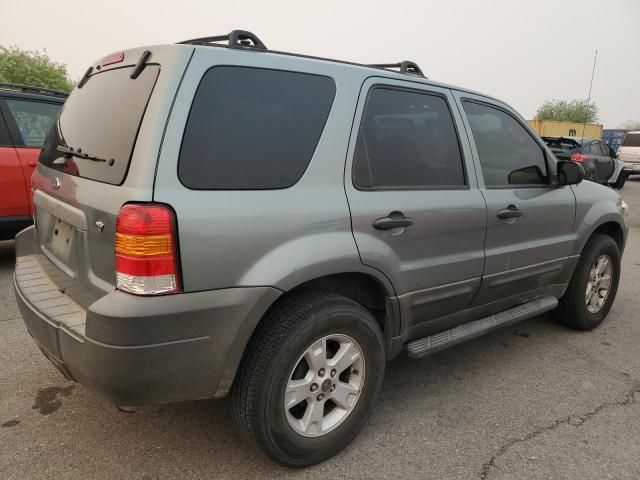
(394, 220)
(510, 212)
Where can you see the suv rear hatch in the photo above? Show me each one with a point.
(562, 147)
(101, 154)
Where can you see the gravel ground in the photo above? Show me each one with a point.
(534, 401)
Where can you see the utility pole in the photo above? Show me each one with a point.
(593, 73)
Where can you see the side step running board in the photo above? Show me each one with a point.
(439, 341)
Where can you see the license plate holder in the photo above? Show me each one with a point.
(61, 240)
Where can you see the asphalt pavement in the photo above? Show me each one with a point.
(533, 401)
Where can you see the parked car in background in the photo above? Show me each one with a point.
(629, 153)
(275, 227)
(26, 115)
(597, 158)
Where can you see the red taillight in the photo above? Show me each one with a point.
(146, 250)
(113, 58)
(578, 157)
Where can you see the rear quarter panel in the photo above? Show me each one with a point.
(28, 160)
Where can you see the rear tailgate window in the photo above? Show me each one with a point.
(99, 123)
(631, 140)
(560, 144)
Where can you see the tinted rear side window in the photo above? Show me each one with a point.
(253, 129)
(631, 140)
(34, 119)
(102, 120)
(407, 140)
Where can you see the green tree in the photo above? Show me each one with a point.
(577, 111)
(33, 68)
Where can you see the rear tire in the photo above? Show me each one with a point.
(590, 294)
(322, 328)
(620, 181)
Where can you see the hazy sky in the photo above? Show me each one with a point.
(522, 51)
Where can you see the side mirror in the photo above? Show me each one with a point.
(570, 173)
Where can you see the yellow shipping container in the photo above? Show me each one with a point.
(550, 128)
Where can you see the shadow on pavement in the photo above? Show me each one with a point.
(7, 255)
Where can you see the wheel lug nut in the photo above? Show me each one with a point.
(314, 387)
(333, 372)
(320, 397)
(321, 372)
(332, 389)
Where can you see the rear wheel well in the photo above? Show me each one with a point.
(614, 230)
(359, 287)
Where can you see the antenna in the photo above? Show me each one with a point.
(593, 72)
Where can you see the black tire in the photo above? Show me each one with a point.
(572, 309)
(288, 329)
(620, 181)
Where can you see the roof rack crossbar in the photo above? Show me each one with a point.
(405, 66)
(32, 89)
(236, 38)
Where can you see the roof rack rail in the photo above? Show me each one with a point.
(32, 89)
(406, 66)
(236, 38)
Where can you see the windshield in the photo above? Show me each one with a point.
(631, 140)
(98, 125)
(560, 144)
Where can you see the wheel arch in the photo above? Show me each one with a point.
(612, 229)
(365, 288)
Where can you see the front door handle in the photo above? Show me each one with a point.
(510, 212)
(394, 220)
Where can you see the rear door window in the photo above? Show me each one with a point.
(407, 139)
(99, 123)
(631, 140)
(33, 119)
(508, 153)
(604, 149)
(594, 149)
(252, 128)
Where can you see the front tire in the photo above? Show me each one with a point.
(594, 285)
(309, 378)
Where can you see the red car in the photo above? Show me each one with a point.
(26, 114)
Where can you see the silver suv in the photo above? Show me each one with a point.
(221, 218)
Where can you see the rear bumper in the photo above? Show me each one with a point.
(138, 350)
(632, 167)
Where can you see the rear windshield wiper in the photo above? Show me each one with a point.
(70, 152)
